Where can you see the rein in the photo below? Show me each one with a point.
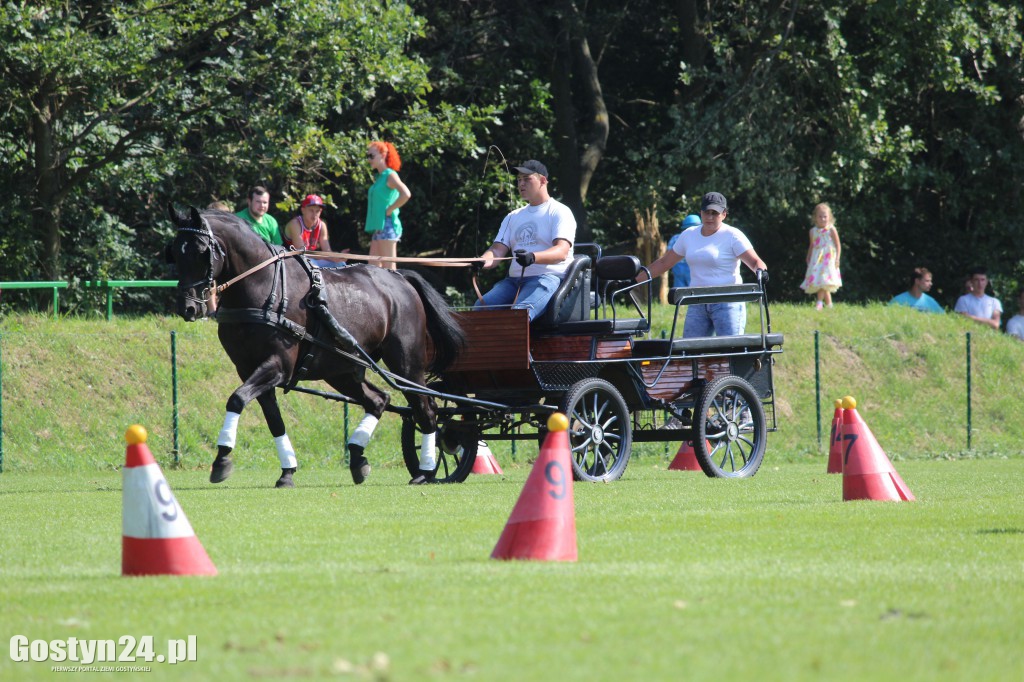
(331, 255)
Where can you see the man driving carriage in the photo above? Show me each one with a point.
(540, 236)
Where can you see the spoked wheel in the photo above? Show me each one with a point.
(600, 433)
(456, 451)
(730, 429)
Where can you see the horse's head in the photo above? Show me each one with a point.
(200, 259)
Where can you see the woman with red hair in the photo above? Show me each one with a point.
(387, 194)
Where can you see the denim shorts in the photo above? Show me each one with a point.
(387, 232)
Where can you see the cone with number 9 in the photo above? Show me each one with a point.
(156, 537)
(542, 525)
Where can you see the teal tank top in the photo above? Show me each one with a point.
(379, 198)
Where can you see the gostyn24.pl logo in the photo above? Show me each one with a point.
(127, 649)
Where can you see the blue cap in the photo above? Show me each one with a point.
(691, 220)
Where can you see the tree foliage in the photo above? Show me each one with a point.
(908, 117)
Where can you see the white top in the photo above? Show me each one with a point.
(978, 306)
(715, 260)
(1015, 327)
(535, 228)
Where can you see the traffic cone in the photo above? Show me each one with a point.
(157, 538)
(485, 462)
(867, 472)
(835, 447)
(685, 459)
(543, 522)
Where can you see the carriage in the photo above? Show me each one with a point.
(589, 355)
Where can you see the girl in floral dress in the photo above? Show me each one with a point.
(823, 276)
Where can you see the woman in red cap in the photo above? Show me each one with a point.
(308, 231)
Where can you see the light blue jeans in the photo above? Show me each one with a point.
(534, 293)
(718, 319)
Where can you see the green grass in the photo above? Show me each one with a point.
(70, 388)
(679, 577)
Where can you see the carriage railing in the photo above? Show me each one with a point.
(622, 277)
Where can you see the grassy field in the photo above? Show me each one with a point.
(679, 577)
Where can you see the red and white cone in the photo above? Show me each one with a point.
(485, 462)
(542, 525)
(157, 538)
(835, 447)
(867, 472)
(685, 459)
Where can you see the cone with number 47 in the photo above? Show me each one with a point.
(156, 537)
(542, 525)
(867, 472)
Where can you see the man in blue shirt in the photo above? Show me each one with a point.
(917, 297)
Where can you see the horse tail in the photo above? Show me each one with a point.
(444, 330)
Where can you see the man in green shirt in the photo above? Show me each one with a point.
(261, 222)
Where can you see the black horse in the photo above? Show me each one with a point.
(289, 321)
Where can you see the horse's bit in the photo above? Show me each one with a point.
(202, 286)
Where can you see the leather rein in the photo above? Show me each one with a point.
(432, 262)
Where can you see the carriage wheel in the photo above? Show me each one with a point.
(456, 450)
(730, 432)
(600, 433)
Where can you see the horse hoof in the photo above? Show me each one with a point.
(221, 470)
(423, 478)
(357, 463)
(360, 472)
(286, 479)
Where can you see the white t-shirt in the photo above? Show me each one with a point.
(1015, 327)
(978, 306)
(715, 260)
(535, 228)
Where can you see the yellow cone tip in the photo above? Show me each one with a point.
(839, 403)
(849, 403)
(136, 434)
(558, 422)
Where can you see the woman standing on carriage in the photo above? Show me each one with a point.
(308, 231)
(387, 194)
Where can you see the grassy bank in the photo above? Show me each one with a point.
(71, 387)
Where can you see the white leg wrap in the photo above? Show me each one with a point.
(428, 458)
(361, 436)
(228, 431)
(285, 452)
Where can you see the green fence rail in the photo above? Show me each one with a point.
(56, 286)
(109, 285)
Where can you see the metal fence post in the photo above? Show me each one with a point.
(817, 384)
(968, 390)
(174, 394)
(1, 405)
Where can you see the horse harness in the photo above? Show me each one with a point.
(274, 307)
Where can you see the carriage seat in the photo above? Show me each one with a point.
(611, 273)
(704, 345)
(571, 300)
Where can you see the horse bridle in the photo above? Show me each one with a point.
(202, 286)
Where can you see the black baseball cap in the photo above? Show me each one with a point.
(713, 201)
(532, 166)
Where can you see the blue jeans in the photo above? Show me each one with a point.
(534, 293)
(720, 319)
(388, 232)
(325, 264)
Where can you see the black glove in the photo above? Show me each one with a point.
(525, 258)
(762, 276)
